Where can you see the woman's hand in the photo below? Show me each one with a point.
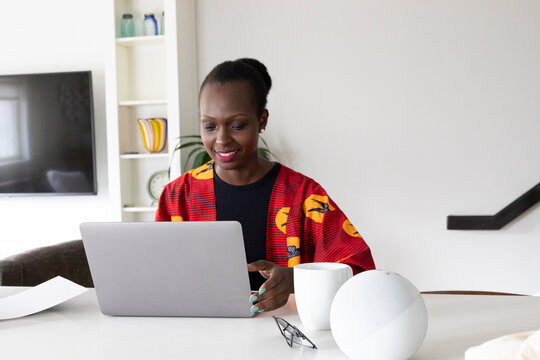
(275, 292)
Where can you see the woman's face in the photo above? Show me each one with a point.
(230, 125)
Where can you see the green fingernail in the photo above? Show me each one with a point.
(260, 310)
(252, 298)
(253, 309)
(262, 291)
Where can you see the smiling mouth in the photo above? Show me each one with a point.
(229, 153)
(226, 156)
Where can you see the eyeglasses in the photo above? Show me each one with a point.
(292, 334)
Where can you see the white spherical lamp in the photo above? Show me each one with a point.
(378, 315)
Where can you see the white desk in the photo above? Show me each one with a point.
(77, 330)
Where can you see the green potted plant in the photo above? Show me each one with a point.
(198, 155)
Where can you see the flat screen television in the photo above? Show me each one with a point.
(47, 134)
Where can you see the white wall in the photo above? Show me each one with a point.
(406, 112)
(50, 36)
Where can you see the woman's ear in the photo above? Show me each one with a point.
(263, 120)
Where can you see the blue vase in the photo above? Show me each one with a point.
(150, 25)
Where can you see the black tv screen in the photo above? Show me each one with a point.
(47, 134)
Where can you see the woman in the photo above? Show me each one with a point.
(287, 218)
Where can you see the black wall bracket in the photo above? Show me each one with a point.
(500, 219)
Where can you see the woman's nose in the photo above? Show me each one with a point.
(222, 136)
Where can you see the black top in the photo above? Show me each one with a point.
(248, 204)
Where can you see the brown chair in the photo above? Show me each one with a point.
(30, 268)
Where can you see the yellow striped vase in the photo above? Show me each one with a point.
(154, 133)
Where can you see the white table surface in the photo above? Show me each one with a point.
(77, 330)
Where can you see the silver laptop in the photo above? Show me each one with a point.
(168, 268)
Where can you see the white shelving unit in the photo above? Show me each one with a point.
(141, 40)
(147, 77)
(134, 103)
(144, 156)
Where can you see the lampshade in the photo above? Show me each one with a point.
(378, 315)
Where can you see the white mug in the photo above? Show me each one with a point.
(315, 285)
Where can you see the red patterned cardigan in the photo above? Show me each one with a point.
(303, 224)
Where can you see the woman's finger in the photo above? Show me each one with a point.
(271, 303)
(260, 265)
(266, 289)
(275, 291)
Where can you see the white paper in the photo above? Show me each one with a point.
(39, 298)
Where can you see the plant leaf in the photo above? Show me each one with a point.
(189, 144)
(264, 142)
(262, 153)
(199, 159)
(189, 157)
(265, 153)
(207, 158)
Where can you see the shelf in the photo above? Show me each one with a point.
(142, 82)
(141, 41)
(144, 156)
(138, 209)
(129, 103)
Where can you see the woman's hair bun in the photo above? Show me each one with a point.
(259, 66)
(246, 69)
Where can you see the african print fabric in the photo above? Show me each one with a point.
(303, 223)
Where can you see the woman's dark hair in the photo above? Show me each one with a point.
(249, 70)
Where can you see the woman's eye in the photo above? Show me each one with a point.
(209, 127)
(238, 126)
